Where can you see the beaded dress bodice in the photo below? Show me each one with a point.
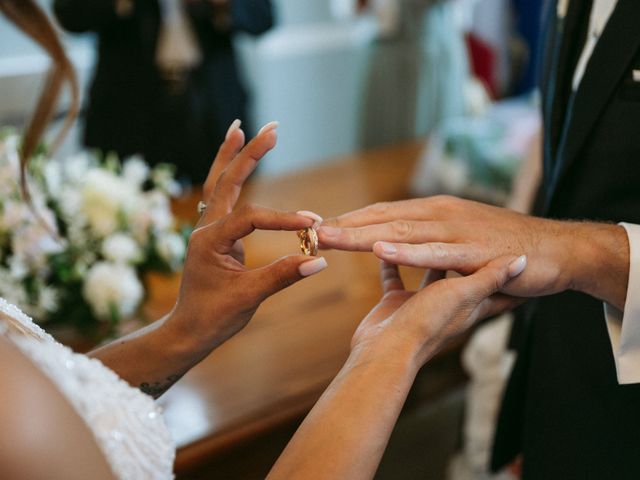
(126, 423)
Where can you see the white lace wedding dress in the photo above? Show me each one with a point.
(127, 424)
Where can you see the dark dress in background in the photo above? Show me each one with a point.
(133, 109)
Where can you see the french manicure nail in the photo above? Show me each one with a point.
(317, 219)
(329, 231)
(517, 266)
(268, 127)
(234, 126)
(388, 248)
(312, 267)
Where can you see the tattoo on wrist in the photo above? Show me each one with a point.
(156, 389)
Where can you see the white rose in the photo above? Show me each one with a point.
(8, 178)
(110, 286)
(159, 209)
(135, 171)
(70, 202)
(163, 178)
(106, 199)
(13, 214)
(140, 225)
(171, 248)
(48, 300)
(13, 289)
(53, 178)
(121, 248)
(11, 152)
(18, 267)
(34, 244)
(76, 167)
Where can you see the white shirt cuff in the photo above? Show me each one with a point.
(624, 327)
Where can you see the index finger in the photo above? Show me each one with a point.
(362, 239)
(231, 146)
(384, 212)
(231, 181)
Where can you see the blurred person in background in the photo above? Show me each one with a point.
(166, 83)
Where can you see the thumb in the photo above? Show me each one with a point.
(284, 272)
(449, 307)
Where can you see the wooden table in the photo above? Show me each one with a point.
(277, 367)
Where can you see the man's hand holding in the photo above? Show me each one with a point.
(448, 233)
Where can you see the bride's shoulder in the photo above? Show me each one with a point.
(34, 416)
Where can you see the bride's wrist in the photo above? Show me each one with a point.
(404, 354)
(184, 339)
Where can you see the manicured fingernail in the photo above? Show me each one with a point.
(234, 126)
(517, 266)
(329, 231)
(317, 219)
(312, 267)
(388, 248)
(268, 127)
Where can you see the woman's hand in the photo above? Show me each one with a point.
(352, 422)
(218, 294)
(420, 323)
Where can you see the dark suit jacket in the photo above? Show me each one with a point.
(133, 109)
(563, 408)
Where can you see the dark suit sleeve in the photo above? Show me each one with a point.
(84, 15)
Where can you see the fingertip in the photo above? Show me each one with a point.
(262, 144)
(235, 125)
(233, 142)
(330, 222)
(517, 266)
(312, 267)
(269, 127)
(384, 249)
(317, 219)
(327, 232)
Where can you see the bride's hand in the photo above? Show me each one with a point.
(218, 294)
(421, 323)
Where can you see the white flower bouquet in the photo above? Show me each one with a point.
(79, 253)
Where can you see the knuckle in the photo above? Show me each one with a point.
(195, 238)
(379, 208)
(501, 277)
(438, 251)
(221, 180)
(332, 222)
(496, 282)
(402, 229)
(283, 276)
(445, 201)
(248, 209)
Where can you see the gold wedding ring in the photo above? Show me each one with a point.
(201, 207)
(308, 241)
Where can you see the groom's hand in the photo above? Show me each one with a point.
(448, 233)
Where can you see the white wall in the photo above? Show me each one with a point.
(310, 76)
